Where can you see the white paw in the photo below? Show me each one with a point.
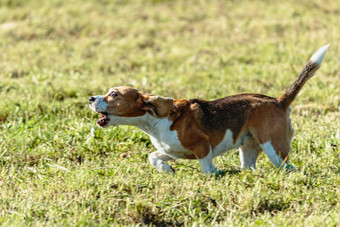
(166, 168)
(289, 168)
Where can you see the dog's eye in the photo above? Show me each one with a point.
(113, 94)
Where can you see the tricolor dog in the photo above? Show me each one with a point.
(203, 130)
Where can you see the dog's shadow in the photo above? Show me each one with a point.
(227, 172)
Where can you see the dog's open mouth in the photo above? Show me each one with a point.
(103, 120)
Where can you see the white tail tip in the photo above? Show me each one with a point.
(319, 55)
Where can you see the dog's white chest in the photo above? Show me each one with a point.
(166, 140)
(169, 143)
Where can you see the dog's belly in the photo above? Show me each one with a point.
(227, 144)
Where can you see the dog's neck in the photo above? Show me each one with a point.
(147, 122)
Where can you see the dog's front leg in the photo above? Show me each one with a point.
(206, 163)
(158, 159)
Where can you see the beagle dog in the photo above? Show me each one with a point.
(203, 130)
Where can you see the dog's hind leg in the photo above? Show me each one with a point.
(158, 159)
(272, 154)
(273, 151)
(271, 128)
(248, 154)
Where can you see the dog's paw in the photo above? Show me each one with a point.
(167, 168)
(288, 168)
(172, 170)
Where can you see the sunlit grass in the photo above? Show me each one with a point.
(58, 168)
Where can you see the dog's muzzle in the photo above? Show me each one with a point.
(96, 104)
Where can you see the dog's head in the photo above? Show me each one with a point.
(125, 102)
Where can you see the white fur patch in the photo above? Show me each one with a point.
(207, 165)
(159, 132)
(248, 157)
(226, 144)
(270, 152)
(158, 159)
(98, 105)
(319, 55)
(167, 141)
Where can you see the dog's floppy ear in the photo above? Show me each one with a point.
(157, 106)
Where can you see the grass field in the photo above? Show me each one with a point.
(58, 169)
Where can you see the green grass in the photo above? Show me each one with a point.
(58, 169)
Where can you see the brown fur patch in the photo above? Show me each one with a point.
(269, 122)
(129, 102)
(230, 112)
(157, 106)
(125, 104)
(188, 128)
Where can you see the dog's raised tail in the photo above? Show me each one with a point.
(307, 72)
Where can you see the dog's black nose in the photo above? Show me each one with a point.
(91, 99)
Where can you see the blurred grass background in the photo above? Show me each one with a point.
(57, 168)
